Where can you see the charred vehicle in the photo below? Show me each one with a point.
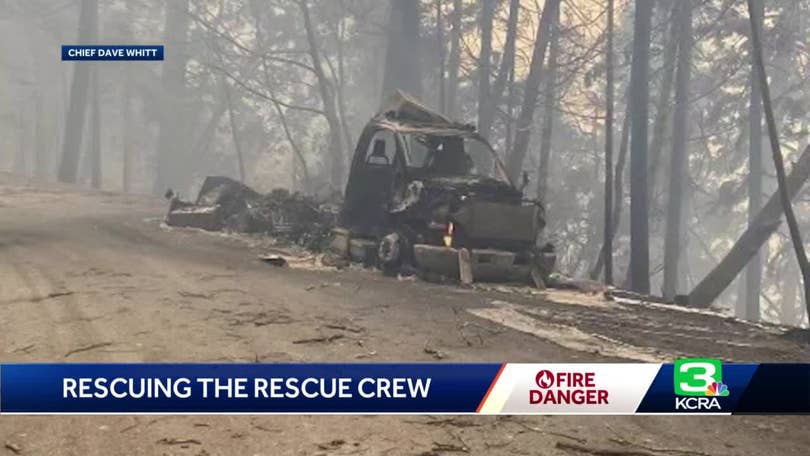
(415, 198)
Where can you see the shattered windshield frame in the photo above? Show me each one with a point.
(420, 158)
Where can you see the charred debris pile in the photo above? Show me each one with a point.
(224, 204)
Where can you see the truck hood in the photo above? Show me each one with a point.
(475, 187)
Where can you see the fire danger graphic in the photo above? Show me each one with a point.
(567, 387)
(570, 388)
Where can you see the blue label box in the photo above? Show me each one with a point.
(244, 388)
(112, 52)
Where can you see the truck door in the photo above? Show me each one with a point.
(374, 175)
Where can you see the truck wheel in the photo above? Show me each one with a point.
(390, 253)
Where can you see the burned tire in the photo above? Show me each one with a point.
(392, 253)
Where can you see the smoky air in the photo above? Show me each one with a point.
(429, 181)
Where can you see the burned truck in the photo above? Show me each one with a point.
(416, 199)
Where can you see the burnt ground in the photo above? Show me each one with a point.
(92, 276)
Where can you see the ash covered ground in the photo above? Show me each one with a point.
(94, 276)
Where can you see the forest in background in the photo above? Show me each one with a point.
(275, 92)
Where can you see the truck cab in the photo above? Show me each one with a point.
(416, 196)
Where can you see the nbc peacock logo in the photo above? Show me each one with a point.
(717, 389)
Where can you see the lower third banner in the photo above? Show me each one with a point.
(688, 386)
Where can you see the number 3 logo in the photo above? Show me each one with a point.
(694, 375)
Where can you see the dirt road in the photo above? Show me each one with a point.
(88, 276)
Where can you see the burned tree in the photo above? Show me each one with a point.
(549, 109)
(776, 151)
(750, 241)
(749, 305)
(74, 122)
(639, 192)
(514, 163)
(453, 61)
(237, 144)
(95, 129)
(172, 169)
(442, 56)
(402, 59)
(607, 248)
(126, 116)
(484, 64)
(326, 90)
(680, 155)
(663, 105)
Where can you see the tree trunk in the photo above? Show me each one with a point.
(172, 155)
(402, 59)
(748, 307)
(341, 87)
(532, 87)
(510, 111)
(664, 102)
(41, 133)
(95, 129)
(442, 57)
(764, 224)
(41, 162)
(776, 152)
(639, 192)
(549, 110)
(485, 64)
(126, 115)
(618, 192)
(790, 311)
(328, 99)
(20, 159)
(306, 184)
(297, 153)
(680, 155)
(454, 60)
(507, 65)
(607, 238)
(237, 145)
(483, 160)
(205, 136)
(126, 132)
(77, 106)
(489, 106)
